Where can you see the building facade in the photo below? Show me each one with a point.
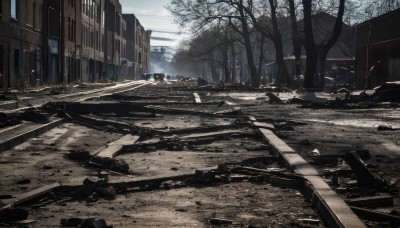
(21, 43)
(138, 42)
(51, 42)
(378, 46)
(71, 45)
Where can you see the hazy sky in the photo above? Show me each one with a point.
(153, 15)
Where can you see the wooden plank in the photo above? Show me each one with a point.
(376, 215)
(39, 192)
(252, 118)
(372, 201)
(110, 151)
(264, 125)
(210, 134)
(126, 140)
(114, 148)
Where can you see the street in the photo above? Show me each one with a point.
(171, 154)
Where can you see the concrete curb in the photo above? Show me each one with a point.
(332, 208)
(16, 140)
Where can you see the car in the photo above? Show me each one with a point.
(146, 76)
(159, 76)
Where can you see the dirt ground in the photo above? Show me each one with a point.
(243, 203)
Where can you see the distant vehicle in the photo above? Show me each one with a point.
(159, 76)
(146, 76)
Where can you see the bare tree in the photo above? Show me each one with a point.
(296, 39)
(316, 53)
(203, 14)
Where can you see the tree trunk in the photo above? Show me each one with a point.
(314, 56)
(321, 65)
(255, 80)
(309, 44)
(283, 76)
(225, 64)
(324, 49)
(296, 41)
(214, 71)
(261, 58)
(233, 62)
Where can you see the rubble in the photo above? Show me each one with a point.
(177, 138)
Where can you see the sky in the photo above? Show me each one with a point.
(153, 16)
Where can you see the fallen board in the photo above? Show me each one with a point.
(113, 148)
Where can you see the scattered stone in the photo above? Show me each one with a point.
(108, 191)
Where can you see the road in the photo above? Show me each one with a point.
(178, 157)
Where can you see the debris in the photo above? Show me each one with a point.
(24, 181)
(34, 116)
(309, 221)
(376, 216)
(273, 99)
(220, 221)
(202, 82)
(389, 91)
(78, 155)
(72, 222)
(387, 128)
(305, 142)
(316, 152)
(364, 176)
(372, 201)
(87, 188)
(108, 191)
(111, 164)
(181, 210)
(13, 214)
(296, 100)
(84, 223)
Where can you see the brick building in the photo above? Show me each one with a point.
(138, 41)
(21, 42)
(50, 42)
(71, 45)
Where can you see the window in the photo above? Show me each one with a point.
(14, 9)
